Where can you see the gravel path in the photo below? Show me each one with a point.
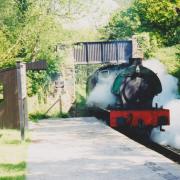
(86, 149)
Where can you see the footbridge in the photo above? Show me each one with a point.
(106, 51)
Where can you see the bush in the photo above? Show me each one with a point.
(38, 116)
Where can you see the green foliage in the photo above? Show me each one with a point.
(39, 82)
(29, 32)
(161, 17)
(13, 169)
(17, 167)
(82, 73)
(122, 25)
(35, 117)
(154, 22)
(148, 43)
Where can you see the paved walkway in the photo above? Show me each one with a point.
(86, 149)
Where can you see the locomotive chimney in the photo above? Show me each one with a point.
(135, 61)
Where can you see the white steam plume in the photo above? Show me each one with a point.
(171, 136)
(101, 95)
(169, 99)
(168, 82)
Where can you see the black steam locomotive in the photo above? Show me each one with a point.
(135, 87)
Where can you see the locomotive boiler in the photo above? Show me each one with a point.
(134, 87)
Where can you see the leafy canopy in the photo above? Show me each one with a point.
(159, 19)
(29, 32)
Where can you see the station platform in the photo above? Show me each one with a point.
(87, 149)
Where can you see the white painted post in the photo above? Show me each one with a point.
(22, 93)
(136, 51)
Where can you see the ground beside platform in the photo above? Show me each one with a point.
(86, 149)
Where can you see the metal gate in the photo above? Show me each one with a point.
(102, 52)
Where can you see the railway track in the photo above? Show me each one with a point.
(167, 151)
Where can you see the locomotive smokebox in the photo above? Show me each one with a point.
(135, 61)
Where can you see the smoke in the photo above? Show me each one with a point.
(169, 99)
(101, 95)
(171, 136)
(168, 82)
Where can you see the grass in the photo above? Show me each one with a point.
(35, 117)
(13, 154)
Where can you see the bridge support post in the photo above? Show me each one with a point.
(136, 50)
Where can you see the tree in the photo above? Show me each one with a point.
(122, 25)
(161, 17)
(156, 23)
(29, 32)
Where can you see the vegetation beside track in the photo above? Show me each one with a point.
(35, 117)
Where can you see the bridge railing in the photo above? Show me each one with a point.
(102, 52)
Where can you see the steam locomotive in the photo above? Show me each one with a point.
(134, 87)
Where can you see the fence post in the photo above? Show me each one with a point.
(87, 55)
(22, 93)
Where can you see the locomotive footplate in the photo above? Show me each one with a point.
(139, 118)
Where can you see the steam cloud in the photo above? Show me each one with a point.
(169, 99)
(101, 96)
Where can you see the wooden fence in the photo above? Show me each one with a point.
(9, 109)
(13, 95)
